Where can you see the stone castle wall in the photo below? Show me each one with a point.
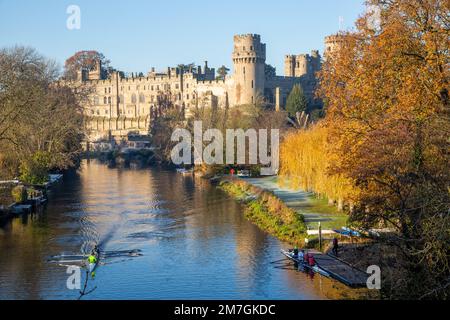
(122, 105)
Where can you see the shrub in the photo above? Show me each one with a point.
(19, 194)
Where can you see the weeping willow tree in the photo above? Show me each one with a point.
(305, 161)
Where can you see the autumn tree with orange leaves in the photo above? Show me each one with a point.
(387, 127)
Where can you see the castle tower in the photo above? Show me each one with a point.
(289, 66)
(249, 60)
(96, 72)
(333, 44)
(302, 65)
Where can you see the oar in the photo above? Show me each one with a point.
(284, 259)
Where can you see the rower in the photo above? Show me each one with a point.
(92, 259)
(295, 252)
(311, 261)
(301, 255)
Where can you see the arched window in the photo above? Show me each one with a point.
(121, 99)
(96, 101)
(105, 101)
(133, 98)
(109, 99)
(141, 98)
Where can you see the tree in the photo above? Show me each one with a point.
(38, 116)
(86, 60)
(297, 101)
(222, 72)
(270, 71)
(388, 122)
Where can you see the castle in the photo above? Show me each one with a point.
(122, 105)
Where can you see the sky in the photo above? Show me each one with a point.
(137, 35)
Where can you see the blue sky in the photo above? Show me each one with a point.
(137, 35)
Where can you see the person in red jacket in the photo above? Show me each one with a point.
(311, 260)
(306, 257)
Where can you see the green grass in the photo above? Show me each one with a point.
(268, 212)
(318, 205)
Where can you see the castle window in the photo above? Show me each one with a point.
(177, 86)
(106, 111)
(187, 85)
(157, 88)
(251, 48)
(109, 99)
(106, 90)
(104, 100)
(252, 84)
(133, 98)
(109, 89)
(152, 88)
(187, 96)
(141, 98)
(96, 102)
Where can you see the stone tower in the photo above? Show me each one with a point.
(96, 72)
(289, 66)
(249, 60)
(332, 44)
(302, 64)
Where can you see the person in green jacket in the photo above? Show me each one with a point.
(92, 260)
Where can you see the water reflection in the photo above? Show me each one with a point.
(196, 242)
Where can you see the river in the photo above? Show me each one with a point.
(195, 241)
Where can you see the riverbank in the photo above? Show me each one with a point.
(267, 211)
(17, 198)
(313, 209)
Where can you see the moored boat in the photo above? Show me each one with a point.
(316, 268)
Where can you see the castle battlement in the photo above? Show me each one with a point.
(253, 36)
(216, 81)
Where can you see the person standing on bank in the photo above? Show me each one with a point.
(335, 246)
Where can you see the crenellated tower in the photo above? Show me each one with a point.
(333, 44)
(249, 60)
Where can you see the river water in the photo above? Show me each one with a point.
(195, 241)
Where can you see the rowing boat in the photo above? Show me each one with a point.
(316, 269)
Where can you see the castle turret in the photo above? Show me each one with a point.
(302, 65)
(249, 59)
(96, 72)
(82, 75)
(289, 66)
(333, 44)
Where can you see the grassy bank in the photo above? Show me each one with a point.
(267, 211)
